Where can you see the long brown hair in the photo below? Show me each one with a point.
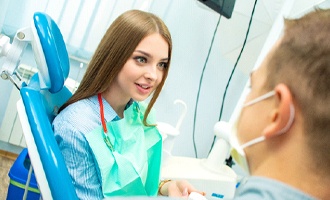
(115, 48)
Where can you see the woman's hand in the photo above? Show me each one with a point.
(177, 188)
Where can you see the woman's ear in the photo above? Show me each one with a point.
(282, 114)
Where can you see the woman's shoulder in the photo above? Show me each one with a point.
(82, 107)
(81, 114)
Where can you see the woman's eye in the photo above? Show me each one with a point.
(163, 65)
(140, 59)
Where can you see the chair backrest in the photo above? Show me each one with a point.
(41, 99)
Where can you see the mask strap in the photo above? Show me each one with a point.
(254, 141)
(283, 130)
(290, 121)
(262, 97)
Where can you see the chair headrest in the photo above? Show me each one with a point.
(55, 70)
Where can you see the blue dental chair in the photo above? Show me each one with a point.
(41, 99)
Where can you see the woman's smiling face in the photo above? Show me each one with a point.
(144, 70)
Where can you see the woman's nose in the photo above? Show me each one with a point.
(151, 72)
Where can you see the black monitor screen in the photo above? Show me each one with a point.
(223, 7)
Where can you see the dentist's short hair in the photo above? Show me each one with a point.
(301, 60)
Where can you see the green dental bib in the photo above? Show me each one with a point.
(131, 166)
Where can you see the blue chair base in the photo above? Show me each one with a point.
(18, 175)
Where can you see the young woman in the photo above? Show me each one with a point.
(107, 136)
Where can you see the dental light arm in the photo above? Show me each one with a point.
(12, 53)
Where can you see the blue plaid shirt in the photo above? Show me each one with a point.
(70, 127)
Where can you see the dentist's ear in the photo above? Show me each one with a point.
(283, 113)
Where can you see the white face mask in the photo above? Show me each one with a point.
(237, 151)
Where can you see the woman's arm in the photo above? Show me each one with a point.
(79, 160)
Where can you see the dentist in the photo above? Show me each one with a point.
(282, 136)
